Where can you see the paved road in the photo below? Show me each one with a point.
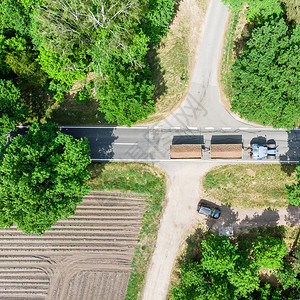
(153, 143)
(202, 106)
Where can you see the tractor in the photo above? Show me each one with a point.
(263, 151)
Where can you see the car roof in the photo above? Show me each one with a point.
(205, 210)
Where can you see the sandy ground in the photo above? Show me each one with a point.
(180, 216)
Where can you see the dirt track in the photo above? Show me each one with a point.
(180, 216)
(87, 256)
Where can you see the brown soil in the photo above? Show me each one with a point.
(185, 151)
(226, 151)
(87, 256)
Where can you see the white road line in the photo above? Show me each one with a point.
(239, 161)
(226, 128)
(175, 127)
(243, 128)
(209, 128)
(192, 128)
(100, 127)
(129, 144)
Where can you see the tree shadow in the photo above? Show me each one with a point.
(245, 239)
(267, 218)
(240, 43)
(96, 169)
(193, 250)
(157, 73)
(293, 153)
(37, 102)
(100, 140)
(293, 217)
(288, 168)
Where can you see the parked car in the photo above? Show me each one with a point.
(208, 210)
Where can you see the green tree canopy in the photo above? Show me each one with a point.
(43, 178)
(11, 104)
(230, 270)
(219, 254)
(257, 10)
(269, 252)
(266, 76)
(293, 190)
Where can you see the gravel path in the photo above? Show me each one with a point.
(180, 215)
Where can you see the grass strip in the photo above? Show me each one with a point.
(228, 56)
(139, 178)
(250, 186)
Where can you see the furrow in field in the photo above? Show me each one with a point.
(100, 222)
(50, 248)
(15, 295)
(113, 195)
(103, 218)
(96, 245)
(65, 239)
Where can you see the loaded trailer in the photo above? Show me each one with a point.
(223, 151)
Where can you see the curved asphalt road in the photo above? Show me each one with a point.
(202, 107)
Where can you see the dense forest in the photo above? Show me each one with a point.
(48, 45)
(256, 265)
(266, 72)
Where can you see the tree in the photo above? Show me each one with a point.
(69, 26)
(125, 96)
(43, 178)
(157, 19)
(6, 127)
(293, 190)
(257, 10)
(11, 105)
(219, 255)
(268, 252)
(230, 270)
(266, 76)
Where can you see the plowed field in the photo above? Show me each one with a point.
(87, 256)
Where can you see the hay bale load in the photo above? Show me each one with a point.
(186, 151)
(229, 151)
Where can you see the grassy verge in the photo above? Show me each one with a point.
(237, 34)
(171, 62)
(70, 112)
(250, 186)
(228, 57)
(143, 179)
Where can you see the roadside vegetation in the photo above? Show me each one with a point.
(293, 190)
(172, 59)
(251, 186)
(260, 72)
(143, 179)
(261, 264)
(43, 177)
(48, 46)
